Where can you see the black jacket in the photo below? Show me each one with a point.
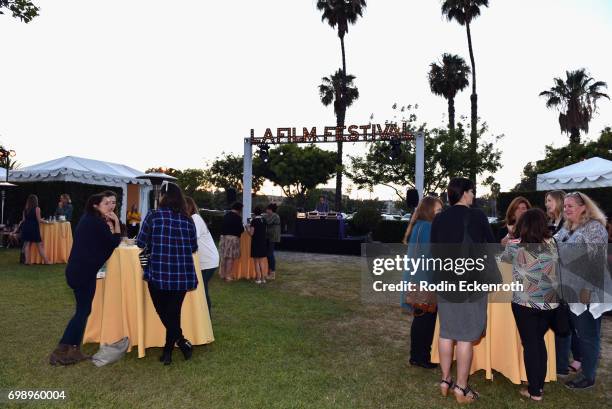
(93, 245)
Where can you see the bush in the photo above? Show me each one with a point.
(288, 214)
(214, 221)
(365, 220)
(390, 231)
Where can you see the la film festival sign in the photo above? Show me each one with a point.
(351, 133)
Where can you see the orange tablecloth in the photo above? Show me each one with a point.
(244, 268)
(57, 242)
(122, 307)
(501, 348)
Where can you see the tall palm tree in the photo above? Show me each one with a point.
(463, 12)
(340, 90)
(447, 79)
(339, 14)
(576, 99)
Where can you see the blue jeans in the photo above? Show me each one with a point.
(563, 346)
(207, 274)
(84, 295)
(270, 255)
(588, 331)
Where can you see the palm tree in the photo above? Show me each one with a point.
(339, 14)
(341, 92)
(447, 79)
(463, 12)
(576, 99)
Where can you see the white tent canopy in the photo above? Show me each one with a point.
(590, 173)
(88, 171)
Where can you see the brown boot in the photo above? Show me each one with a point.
(74, 354)
(58, 356)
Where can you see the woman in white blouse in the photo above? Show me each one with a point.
(207, 251)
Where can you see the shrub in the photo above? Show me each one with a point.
(214, 221)
(390, 231)
(288, 214)
(365, 220)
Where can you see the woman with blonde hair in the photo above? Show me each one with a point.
(517, 207)
(417, 237)
(582, 251)
(553, 201)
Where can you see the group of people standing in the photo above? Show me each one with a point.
(265, 231)
(169, 237)
(535, 244)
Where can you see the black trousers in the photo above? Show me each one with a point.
(168, 305)
(532, 325)
(421, 337)
(83, 295)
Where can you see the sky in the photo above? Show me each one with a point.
(151, 83)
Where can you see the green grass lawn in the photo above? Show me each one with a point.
(303, 341)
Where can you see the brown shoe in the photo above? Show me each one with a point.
(58, 356)
(75, 354)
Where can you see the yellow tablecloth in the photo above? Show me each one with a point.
(122, 307)
(57, 242)
(501, 348)
(244, 268)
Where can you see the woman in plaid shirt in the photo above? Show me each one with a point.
(169, 234)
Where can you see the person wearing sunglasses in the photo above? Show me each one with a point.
(582, 250)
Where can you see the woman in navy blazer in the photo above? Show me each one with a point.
(94, 242)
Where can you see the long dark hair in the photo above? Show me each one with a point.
(94, 200)
(532, 227)
(31, 203)
(173, 198)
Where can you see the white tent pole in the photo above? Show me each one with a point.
(247, 179)
(420, 164)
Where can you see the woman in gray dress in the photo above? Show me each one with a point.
(461, 321)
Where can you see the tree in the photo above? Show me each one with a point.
(24, 10)
(447, 155)
(463, 12)
(339, 89)
(297, 170)
(447, 79)
(339, 14)
(555, 158)
(576, 99)
(226, 172)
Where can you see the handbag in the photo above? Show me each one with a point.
(560, 322)
(421, 300)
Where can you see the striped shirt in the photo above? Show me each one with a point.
(171, 239)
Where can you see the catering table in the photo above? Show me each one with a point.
(122, 307)
(500, 349)
(57, 242)
(244, 267)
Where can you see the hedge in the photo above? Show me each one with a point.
(390, 231)
(48, 196)
(602, 196)
(214, 221)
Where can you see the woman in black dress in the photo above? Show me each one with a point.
(259, 248)
(461, 321)
(30, 229)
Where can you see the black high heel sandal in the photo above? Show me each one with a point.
(468, 395)
(446, 386)
(166, 357)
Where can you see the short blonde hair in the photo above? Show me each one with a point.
(591, 212)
